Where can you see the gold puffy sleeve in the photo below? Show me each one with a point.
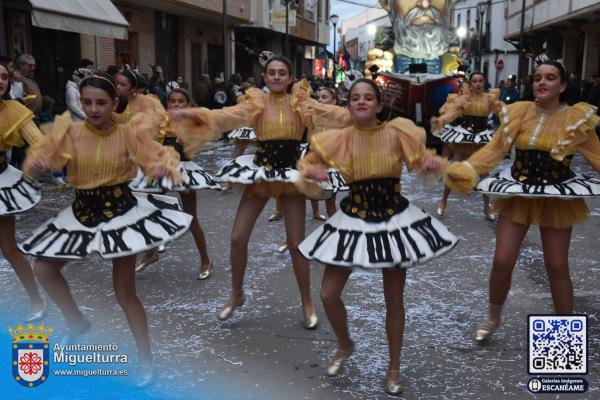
(146, 151)
(451, 110)
(462, 176)
(317, 116)
(412, 144)
(327, 149)
(16, 125)
(494, 99)
(210, 124)
(56, 147)
(580, 135)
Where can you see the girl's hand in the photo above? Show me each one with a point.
(318, 174)
(431, 164)
(160, 171)
(434, 121)
(40, 165)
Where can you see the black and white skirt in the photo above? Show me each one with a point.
(397, 235)
(117, 223)
(503, 184)
(17, 193)
(457, 134)
(242, 134)
(335, 183)
(194, 178)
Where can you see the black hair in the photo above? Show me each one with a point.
(472, 74)
(282, 59)
(112, 70)
(331, 92)
(84, 63)
(103, 81)
(561, 69)
(562, 73)
(6, 95)
(183, 92)
(370, 83)
(140, 81)
(131, 77)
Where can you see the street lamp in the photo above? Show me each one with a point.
(334, 20)
(461, 33)
(481, 7)
(371, 29)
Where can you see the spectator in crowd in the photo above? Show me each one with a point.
(222, 96)
(32, 96)
(157, 84)
(234, 84)
(593, 95)
(87, 64)
(112, 70)
(573, 91)
(508, 93)
(527, 90)
(72, 95)
(203, 91)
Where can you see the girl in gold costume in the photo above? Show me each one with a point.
(539, 188)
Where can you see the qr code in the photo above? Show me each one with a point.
(557, 344)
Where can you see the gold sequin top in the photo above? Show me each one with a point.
(103, 158)
(368, 153)
(468, 104)
(561, 132)
(16, 125)
(152, 107)
(272, 116)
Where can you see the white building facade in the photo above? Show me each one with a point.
(483, 43)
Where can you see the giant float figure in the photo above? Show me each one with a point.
(419, 34)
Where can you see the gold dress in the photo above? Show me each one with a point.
(105, 217)
(17, 194)
(539, 188)
(463, 120)
(277, 119)
(376, 227)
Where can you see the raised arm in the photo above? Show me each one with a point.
(581, 133)
(462, 176)
(451, 110)
(327, 149)
(195, 126)
(50, 152)
(414, 153)
(155, 159)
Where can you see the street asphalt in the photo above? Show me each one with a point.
(263, 352)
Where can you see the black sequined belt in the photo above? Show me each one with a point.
(172, 141)
(93, 206)
(535, 167)
(472, 123)
(277, 154)
(374, 200)
(3, 163)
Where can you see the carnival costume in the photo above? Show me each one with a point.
(106, 217)
(463, 120)
(17, 193)
(193, 176)
(278, 121)
(376, 227)
(539, 188)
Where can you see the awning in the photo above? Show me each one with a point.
(92, 17)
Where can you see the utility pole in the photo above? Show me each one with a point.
(225, 44)
(287, 29)
(521, 47)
